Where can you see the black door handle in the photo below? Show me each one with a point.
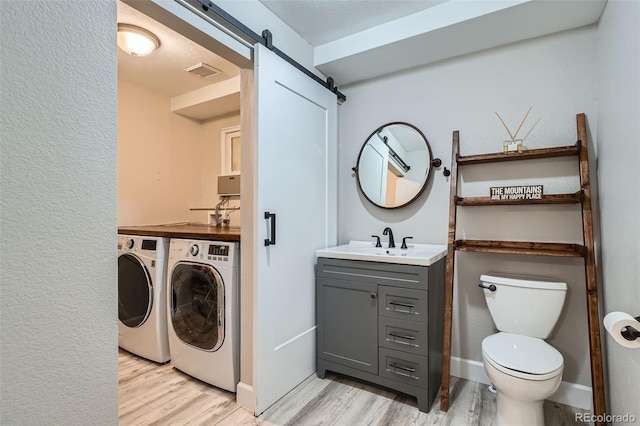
(272, 240)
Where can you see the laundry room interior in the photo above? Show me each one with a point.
(425, 215)
(171, 126)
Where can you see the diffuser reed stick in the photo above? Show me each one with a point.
(521, 123)
(505, 126)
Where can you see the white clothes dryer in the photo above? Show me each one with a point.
(142, 312)
(202, 303)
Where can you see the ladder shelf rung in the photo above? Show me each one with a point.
(521, 247)
(546, 199)
(530, 154)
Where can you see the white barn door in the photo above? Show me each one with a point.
(297, 181)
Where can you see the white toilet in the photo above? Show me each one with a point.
(524, 368)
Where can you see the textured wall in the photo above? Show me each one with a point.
(553, 74)
(58, 216)
(618, 57)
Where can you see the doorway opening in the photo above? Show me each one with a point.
(173, 107)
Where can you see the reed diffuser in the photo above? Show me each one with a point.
(513, 144)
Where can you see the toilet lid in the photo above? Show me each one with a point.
(522, 353)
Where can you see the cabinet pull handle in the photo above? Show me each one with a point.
(373, 295)
(400, 336)
(405, 305)
(399, 367)
(272, 240)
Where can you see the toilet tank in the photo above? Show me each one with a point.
(525, 305)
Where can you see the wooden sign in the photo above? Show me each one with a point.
(529, 192)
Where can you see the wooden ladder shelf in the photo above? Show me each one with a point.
(586, 251)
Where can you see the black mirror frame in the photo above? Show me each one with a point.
(427, 179)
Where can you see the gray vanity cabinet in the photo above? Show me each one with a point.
(382, 323)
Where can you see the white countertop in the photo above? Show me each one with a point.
(414, 254)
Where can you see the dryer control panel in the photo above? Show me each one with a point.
(153, 247)
(218, 250)
(219, 253)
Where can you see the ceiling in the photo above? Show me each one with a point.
(322, 21)
(162, 71)
(355, 40)
(317, 21)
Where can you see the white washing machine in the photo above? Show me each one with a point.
(203, 314)
(142, 266)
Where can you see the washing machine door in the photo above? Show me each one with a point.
(135, 291)
(197, 305)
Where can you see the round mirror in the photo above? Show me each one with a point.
(394, 165)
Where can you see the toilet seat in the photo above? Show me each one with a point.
(520, 356)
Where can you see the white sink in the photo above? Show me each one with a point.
(415, 254)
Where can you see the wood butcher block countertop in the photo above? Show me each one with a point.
(187, 230)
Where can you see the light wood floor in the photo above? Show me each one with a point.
(154, 394)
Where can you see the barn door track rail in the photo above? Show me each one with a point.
(266, 39)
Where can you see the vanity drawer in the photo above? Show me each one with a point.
(403, 303)
(402, 335)
(403, 367)
(388, 274)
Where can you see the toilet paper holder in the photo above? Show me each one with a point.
(631, 333)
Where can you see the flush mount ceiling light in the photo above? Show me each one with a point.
(136, 41)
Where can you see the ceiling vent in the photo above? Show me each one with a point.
(202, 70)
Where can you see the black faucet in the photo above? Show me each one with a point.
(387, 231)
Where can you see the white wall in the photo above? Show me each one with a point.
(211, 149)
(618, 56)
(159, 159)
(167, 163)
(553, 74)
(58, 216)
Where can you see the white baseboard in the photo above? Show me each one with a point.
(575, 395)
(469, 370)
(245, 397)
(572, 394)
